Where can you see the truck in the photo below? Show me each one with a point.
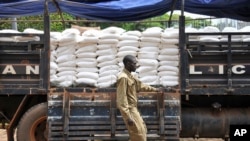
(211, 96)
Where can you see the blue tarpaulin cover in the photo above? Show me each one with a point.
(127, 10)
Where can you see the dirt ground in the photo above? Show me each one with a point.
(3, 137)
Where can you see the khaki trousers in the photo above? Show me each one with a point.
(138, 131)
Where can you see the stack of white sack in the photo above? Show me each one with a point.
(210, 38)
(245, 38)
(169, 58)
(53, 68)
(66, 58)
(234, 38)
(148, 54)
(128, 45)
(54, 40)
(191, 37)
(54, 43)
(10, 38)
(87, 72)
(106, 56)
(29, 38)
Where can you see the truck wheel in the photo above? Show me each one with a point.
(32, 126)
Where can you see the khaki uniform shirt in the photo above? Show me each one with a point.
(127, 88)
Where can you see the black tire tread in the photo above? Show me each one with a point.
(35, 110)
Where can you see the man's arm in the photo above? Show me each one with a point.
(144, 87)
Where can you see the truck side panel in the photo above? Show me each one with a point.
(93, 114)
(21, 67)
(217, 67)
(216, 86)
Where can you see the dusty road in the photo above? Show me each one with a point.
(3, 137)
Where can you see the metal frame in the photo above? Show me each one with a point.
(229, 51)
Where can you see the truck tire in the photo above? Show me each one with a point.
(32, 126)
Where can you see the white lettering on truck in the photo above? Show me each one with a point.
(10, 69)
(236, 69)
(221, 69)
(192, 70)
(29, 69)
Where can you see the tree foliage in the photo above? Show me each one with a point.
(59, 22)
(37, 22)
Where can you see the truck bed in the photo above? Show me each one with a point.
(76, 114)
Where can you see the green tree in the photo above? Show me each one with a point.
(61, 21)
(36, 22)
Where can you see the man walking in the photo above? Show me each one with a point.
(127, 88)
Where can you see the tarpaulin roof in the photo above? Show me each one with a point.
(126, 10)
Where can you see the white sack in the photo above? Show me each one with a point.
(108, 73)
(169, 63)
(147, 55)
(169, 41)
(102, 52)
(128, 48)
(168, 68)
(150, 39)
(67, 64)
(128, 43)
(88, 69)
(149, 44)
(169, 83)
(128, 37)
(85, 59)
(65, 58)
(105, 58)
(105, 46)
(86, 55)
(90, 75)
(108, 41)
(109, 78)
(66, 73)
(169, 78)
(169, 51)
(168, 57)
(86, 64)
(144, 69)
(90, 48)
(108, 68)
(113, 30)
(149, 49)
(148, 62)
(168, 73)
(60, 69)
(88, 81)
(107, 63)
(53, 65)
(148, 79)
(149, 73)
(109, 36)
(122, 54)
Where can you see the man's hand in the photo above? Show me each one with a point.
(130, 122)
